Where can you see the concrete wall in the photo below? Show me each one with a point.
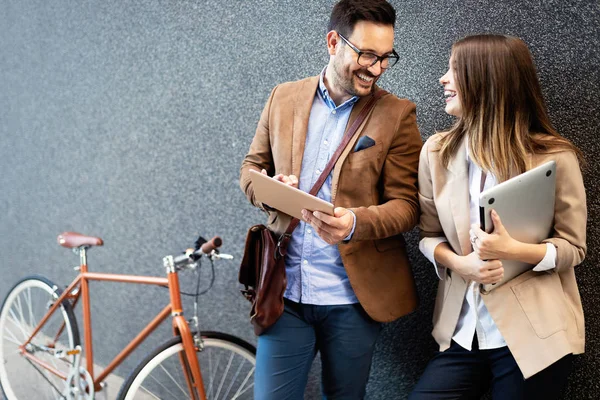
(129, 120)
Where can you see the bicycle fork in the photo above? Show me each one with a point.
(189, 360)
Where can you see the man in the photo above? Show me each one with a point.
(348, 272)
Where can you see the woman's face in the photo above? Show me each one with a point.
(453, 106)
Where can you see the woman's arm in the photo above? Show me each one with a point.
(499, 244)
(433, 242)
(570, 216)
(470, 267)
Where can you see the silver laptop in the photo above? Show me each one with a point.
(525, 205)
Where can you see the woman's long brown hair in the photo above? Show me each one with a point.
(503, 110)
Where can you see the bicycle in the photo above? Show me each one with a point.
(41, 344)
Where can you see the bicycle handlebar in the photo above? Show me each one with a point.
(208, 249)
(211, 245)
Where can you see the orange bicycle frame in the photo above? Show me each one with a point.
(181, 328)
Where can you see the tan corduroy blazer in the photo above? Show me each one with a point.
(538, 313)
(378, 184)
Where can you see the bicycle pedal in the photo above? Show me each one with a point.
(67, 353)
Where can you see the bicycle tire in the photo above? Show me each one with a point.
(160, 374)
(23, 307)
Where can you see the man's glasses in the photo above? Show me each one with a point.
(366, 59)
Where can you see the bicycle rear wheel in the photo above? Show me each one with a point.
(226, 363)
(23, 308)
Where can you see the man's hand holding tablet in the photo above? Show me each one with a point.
(281, 193)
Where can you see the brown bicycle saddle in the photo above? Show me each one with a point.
(74, 239)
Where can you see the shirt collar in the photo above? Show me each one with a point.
(324, 93)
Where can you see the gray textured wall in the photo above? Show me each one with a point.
(129, 119)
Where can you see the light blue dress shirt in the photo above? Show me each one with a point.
(315, 273)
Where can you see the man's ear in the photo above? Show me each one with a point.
(332, 41)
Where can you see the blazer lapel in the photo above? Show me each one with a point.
(302, 106)
(338, 166)
(459, 197)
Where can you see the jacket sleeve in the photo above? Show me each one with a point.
(399, 208)
(260, 155)
(570, 213)
(429, 223)
(431, 232)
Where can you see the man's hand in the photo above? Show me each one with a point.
(291, 180)
(471, 267)
(493, 246)
(332, 229)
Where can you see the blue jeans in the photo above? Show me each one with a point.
(344, 334)
(462, 374)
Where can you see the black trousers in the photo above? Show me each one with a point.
(461, 374)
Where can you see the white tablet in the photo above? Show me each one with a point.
(525, 205)
(286, 198)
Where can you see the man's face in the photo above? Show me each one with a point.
(351, 77)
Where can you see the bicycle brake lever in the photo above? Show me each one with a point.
(221, 256)
(199, 242)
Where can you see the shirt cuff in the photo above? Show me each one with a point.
(549, 260)
(427, 247)
(347, 238)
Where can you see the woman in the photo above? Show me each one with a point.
(519, 339)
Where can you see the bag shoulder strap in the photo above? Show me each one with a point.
(334, 158)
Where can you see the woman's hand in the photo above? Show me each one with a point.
(493, 246)
(500, 245)
(471, 267)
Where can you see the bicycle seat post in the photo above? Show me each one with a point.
(82, 251)
(83, 255)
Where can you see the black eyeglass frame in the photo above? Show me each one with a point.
(392, 58)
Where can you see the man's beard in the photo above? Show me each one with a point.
(345, 80)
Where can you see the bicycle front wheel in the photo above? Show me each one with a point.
(23, 308)
(226, 364)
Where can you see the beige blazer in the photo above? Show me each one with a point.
(538, 313)
(378, 184)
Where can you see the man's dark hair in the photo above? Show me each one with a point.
(346, 13)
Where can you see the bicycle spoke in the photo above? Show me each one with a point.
(32, 319)
(24, 306)
(238, 393)
(176, 365)
(46, 378)
(151, 394)
(234, 379)
(210, 382)
(28, 302)
(224, 376)
(226, 364)
(20, 309)
(16, 321)
(214, 374)
(173, 379)
(177, 384)
(13, 338)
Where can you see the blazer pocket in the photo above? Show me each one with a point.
(359, 157)
(542, 301)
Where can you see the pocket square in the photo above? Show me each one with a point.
(364, 142)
